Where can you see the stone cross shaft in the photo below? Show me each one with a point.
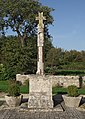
(40, 44)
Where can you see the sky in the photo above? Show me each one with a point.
(68, 30)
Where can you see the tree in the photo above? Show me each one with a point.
(55, 57)
(72, 56)
(2, 72)
(20, 16)
(17, 59)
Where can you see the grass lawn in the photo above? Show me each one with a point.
(4, 85)
(25, 89)
(57, 90)
(82, 91)
(62, 90)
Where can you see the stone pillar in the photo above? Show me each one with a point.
(40, 87)
(40, 44)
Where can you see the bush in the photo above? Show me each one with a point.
(70, 72)
(2, 72)
(14, 90)
(72, 91)
(64, 72)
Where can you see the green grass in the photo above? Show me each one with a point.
(4, 85)
(82, 91)
(25, 89)
(57, 90)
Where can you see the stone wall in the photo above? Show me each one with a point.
(57, 80)
(22, 78)
(65, 81)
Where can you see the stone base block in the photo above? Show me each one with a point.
(40, 92)
(40, 100)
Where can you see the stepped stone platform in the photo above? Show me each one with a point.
(69, 113)
(59, 111)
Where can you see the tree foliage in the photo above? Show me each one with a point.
(55, 57)
(58, 59)
(17, 59)
(19, 54)
(20, 16)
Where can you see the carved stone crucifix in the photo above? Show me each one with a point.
(40, 44)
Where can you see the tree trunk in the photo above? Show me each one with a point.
(22, 40)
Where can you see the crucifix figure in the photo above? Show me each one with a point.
(40, 44)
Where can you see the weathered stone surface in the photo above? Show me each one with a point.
(40, 44)
(56, 80)
(40, 92)
(70, 113)
(54, 113)
(13, 101)
(22, 78)
(72, 101)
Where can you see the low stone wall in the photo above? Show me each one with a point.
(57, 80)
(65, 81)
(22, 78)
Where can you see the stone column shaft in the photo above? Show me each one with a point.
(40, 44)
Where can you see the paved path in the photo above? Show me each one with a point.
(70, 113)
(23, 113)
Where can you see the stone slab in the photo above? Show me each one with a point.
(40, 92)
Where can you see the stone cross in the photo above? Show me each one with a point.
(40, 44)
